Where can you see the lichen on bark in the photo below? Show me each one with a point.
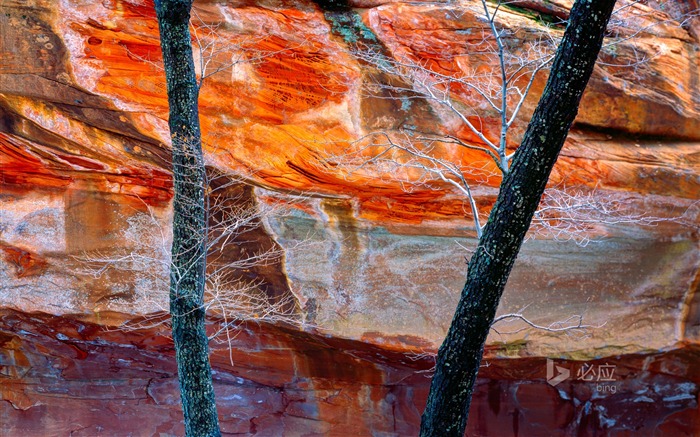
(188, 265)
(460, 355)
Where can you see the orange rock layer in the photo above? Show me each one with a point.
(283, 93)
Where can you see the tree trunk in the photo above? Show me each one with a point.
(187, 270)
(460, 355)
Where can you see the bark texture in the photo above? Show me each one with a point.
(460, 355)
(187, 271)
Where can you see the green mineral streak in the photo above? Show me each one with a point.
(511, 348)
(539, 17)
(349, 26)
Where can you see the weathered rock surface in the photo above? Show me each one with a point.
(67, 376)
(373, 267)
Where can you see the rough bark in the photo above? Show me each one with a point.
(187, 271)
(460, 355)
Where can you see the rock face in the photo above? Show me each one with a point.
(365, 264)
(74, 377)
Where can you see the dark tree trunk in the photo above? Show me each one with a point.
(460, 355)
(189, 222)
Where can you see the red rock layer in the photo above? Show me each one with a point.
(63, 375)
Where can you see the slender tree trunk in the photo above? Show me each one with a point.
(460, 355)
(187, 271)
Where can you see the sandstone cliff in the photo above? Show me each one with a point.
(370, 267)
